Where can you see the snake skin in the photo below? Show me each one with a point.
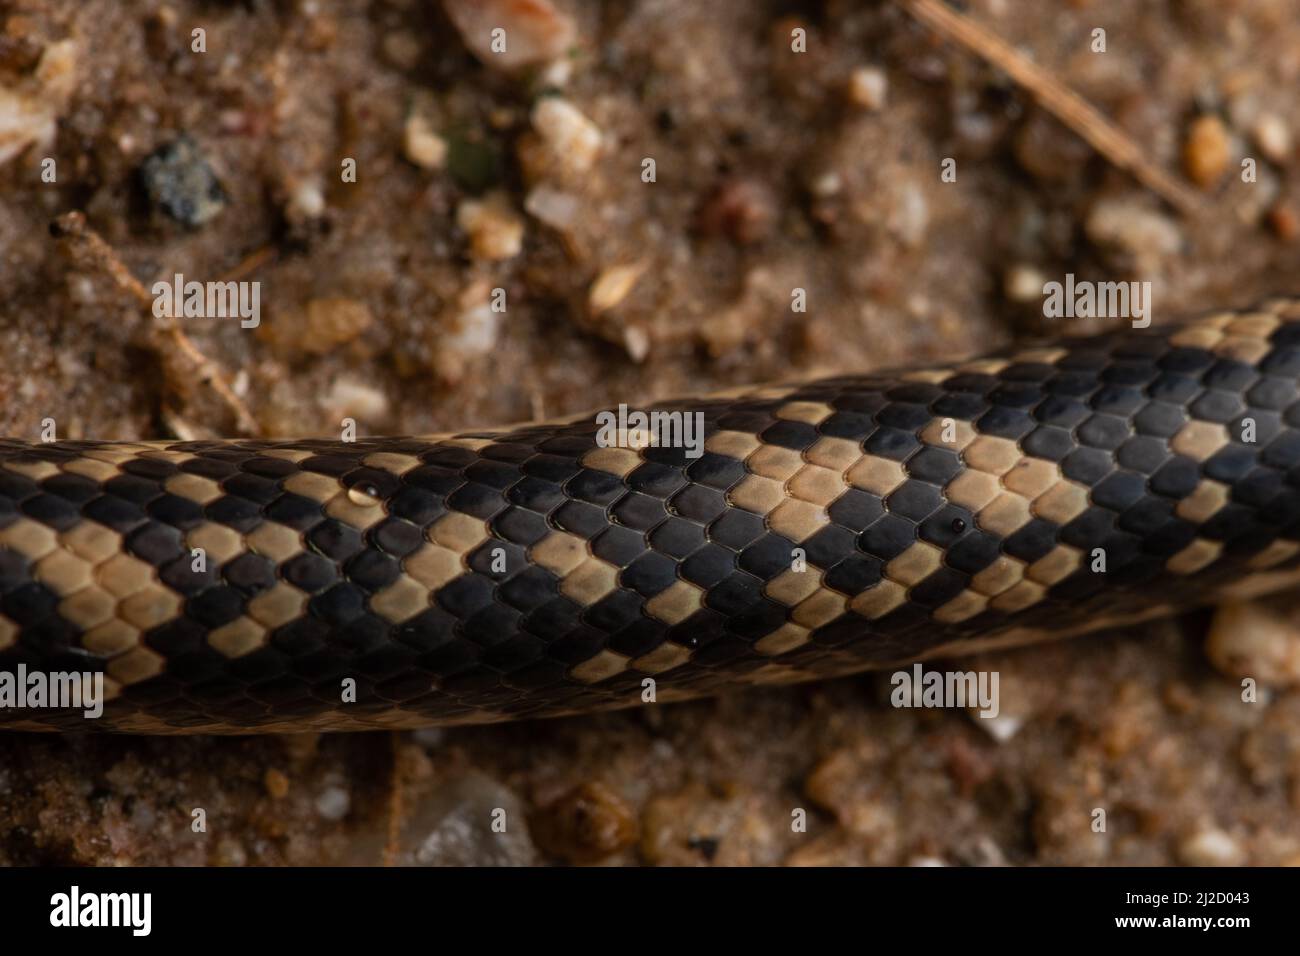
(828, 527)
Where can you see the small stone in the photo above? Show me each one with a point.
(402, 50)
(471, 820)
(179, 182)
(1273, 137)
(29, 112)
(306, 201)
(1023, 283)
(333, 803)
(1206, 152)
(868, 88)
(350, 398)
(276, 783)
(557, 209)
(327, 323)
(574, 140)
(585, 825)
(421, 145)
(495, 230)
(1001, 727)
(1247, 639)
(533, 30)
(1210, 847)
(474, 330)
(1284, 220)
(612, 286)
(742, 209)
(1144, 235)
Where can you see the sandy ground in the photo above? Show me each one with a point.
(773, 170)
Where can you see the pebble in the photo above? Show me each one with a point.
(1248, 639)
(333, 803)
(1129, 225)
(612, 286)
(557, 209)
(329, 322)
(868, 88)
(573, 139)
(474, 329)
(1206, 151)
(276, 783)
(1273, 137)
(535, 31)
(742, 209)
(351, 398)
(587, 824)
(1023, 283)
(306, 200)
(180, 182)
(1210, 847)
(421, 145)
(495, 230)
(454, 827)
(29, 113)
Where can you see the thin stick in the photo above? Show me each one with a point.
(165, 329)
(1062, 102)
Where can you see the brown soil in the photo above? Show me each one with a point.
(771, 175)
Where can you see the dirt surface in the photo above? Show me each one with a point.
(773, 171)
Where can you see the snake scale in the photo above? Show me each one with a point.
(824, 527)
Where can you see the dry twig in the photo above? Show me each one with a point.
(180, 356)
(1062, 102)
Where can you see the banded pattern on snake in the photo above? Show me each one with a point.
(828, 527)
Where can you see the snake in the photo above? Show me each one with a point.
(767, 535)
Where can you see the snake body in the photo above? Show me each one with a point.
(824, 527)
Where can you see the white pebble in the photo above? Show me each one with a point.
(421, 145)
(868, 87)
(1210, 847)
(333, 803)
(575, 140)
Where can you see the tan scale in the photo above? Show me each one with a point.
(963, 433)
(663, 658)
(1062, 502)
(1004, 515)
(92, 468)
(458, 532)
(401, 600)
(92, 541)
(114, 636)
(675, 603)
(737, 445)
(879, 599)
(797, 520)
(599, 667)
(196, 488)
(88, 608)
(816, 485)
(1020, 596)
(136, 665)
(757, 494)
(614, 461)
(837, 454)
(1055, 566)
(1005, 572)
(219, 543)
(151, 606)
(992, 455)
(918, 562)
(275, 541)
(64, 572)
(35, 470)
(772, 461)
(1199, 440)
(877, 475)
(791, 586)
(29, 538)
(963, 607)
(785, 638)
(822, 607)
(124, 575)
(433, 565)
(1196, 556)
(241, 636)
(277, 605)
(810, 413)
(1204, 502)
(559, 552)
(590, 581)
